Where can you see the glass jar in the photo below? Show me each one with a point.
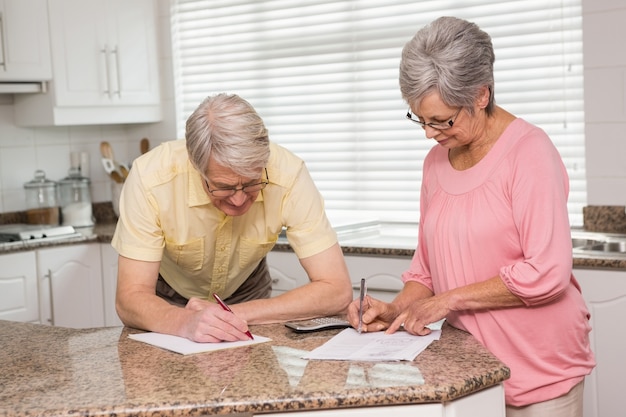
(75, 198)
(42, 205)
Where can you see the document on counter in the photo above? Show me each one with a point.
(350, 345)
(186, 347)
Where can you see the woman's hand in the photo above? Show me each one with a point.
(377, 315)
(421, 313)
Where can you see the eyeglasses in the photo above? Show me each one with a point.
(438, 126)
(248, 189)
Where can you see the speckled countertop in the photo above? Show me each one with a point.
(55, 371)
(371, 246)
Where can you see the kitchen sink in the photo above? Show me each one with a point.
(612, 247)
(580, 242)
(599, 244)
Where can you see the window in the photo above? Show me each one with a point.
(324, 76)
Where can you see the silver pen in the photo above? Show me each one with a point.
(362, 294)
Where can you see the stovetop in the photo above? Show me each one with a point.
(25, 234)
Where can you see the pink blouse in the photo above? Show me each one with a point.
(507, 216)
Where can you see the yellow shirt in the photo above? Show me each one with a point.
(166, 216)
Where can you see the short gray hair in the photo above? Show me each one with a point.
(228, 129)
(451, 56)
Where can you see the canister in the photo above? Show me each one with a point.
(42, 205)
(75, 198)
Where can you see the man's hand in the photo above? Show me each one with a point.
(210, 323)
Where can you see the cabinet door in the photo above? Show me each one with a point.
(605, 294)
(286, 272)
(105, 65)
(19, 299)
(109, 284)
(24, 41)
(104, 52)
(70, 280)
(382, 275)
(78, 37)
(132, 58)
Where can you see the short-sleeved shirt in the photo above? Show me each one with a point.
(167, 216)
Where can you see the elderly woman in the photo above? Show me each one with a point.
(494, 254)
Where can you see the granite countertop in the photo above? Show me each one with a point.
(377, 245)
(370, 238)
(55, 371)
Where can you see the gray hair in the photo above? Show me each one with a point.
(451, 56)
(226, 127)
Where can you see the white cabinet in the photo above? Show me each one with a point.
(19, 296)
(109, 284)
(70, 283)
(604, 292)
(286, 272)
(24, 41)
(382, 273)
(105, 66)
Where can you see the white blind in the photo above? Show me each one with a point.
(323, 74)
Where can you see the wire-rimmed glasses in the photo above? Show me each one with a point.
(439, 126)
(248, 189)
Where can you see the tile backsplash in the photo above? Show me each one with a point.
(25, 150)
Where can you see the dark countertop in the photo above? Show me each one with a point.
(372, 246)
(55, 371)
(579, 261)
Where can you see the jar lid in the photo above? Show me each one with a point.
(40, 181)
(74, 177)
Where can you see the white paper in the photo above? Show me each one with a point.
(350, 345)
(186, 347)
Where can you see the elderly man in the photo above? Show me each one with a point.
(198, 216)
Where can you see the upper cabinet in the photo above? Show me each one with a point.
(24, 41)
(104, 62)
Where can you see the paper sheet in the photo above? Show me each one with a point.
(186, 347)
(350, 345)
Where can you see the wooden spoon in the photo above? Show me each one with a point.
(106, 150)
(144, 145)
(123, 170)
(117, 177)
(109, 167)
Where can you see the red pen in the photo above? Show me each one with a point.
(225, 307)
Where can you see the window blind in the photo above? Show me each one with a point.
(323, 75)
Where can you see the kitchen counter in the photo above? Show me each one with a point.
(54, 371)
(401, 241)
(382, 240)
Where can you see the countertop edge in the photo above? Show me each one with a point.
(103, 233)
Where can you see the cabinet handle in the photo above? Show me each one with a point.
(105, 52)
(49, 275)
(3, 63)
(114, 52)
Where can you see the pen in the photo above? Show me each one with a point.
(362, 293)
(225, 307)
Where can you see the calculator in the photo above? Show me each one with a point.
(317, 324)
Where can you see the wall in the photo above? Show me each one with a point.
(604, 32)
(23, 150)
